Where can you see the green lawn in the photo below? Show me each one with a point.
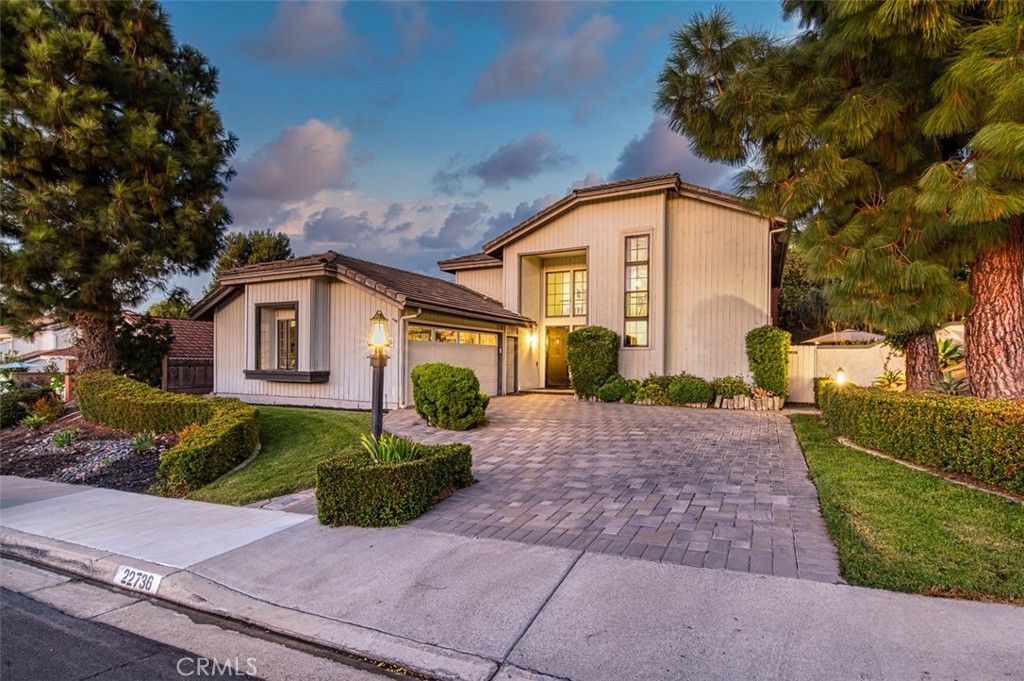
(294, 440)
(906, 530)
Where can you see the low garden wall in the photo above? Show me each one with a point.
(862, 364)
(219, 433)
(352, 490)
(980, 438)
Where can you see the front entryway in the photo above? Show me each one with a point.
(555, 351)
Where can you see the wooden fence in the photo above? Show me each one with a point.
(193, 376)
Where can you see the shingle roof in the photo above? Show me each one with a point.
(192, 339)
(472, 261)
(405, 288)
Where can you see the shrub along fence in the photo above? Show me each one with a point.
(980, 438)
(353, 490)
(229, 429)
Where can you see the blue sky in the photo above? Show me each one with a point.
(405, 133)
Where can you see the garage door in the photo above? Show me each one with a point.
(477, 350)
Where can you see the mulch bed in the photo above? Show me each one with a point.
(100, 456)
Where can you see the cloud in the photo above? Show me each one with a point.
(460, 228)
(505, 220)
(412, 28)
(512, 161)
(589, 180)
(660, 150)
(545, 53)
(302, 33)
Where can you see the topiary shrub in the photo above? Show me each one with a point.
(768, 357)
(229, 429)
(728, 387)
(981, 438)
(448, 397)
(593, 357)
(613, 390)
(15, 405)
(353, 490)
(690, 390)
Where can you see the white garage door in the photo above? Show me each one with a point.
(477, 350)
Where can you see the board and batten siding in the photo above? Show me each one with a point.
(719, 288)
(600, 229)
(334, 318)
(487, 281)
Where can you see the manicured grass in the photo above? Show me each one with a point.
(905, 530)
(293, 441)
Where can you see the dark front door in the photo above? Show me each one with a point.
(557, 366)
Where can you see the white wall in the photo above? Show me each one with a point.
(862, 364)
(487, 281)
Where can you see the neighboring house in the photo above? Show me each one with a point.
(681, 272)
(294, 331)
(53, 342)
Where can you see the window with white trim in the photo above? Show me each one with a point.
(638, 261)
(277, 334)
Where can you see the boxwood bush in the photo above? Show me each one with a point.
(981, 438)
(690, 390)
(448, 397)
(15, 405)
(768, 357)
(614, 389)
(229, 429)
(593, 356)
(728, 387)
(353, 490)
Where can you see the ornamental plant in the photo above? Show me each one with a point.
(448, 397)
(690, 390)
(768, 357)
(728, 387)
(593, 357)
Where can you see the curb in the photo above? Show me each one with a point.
(182, 587)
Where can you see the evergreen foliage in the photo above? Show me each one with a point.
(251, 248)
(140, 348)
(114, 163)
(175, 306)
(593, 356)
(768, 357)
(448, 397)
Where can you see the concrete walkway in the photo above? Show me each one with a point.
(457, 607)
(700, 487)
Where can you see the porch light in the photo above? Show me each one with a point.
(840, 376)
(379, 339)
(531, 338)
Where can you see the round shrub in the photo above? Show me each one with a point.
(768, 357)
(613, 390)
(593, 356)
(730, 386)
(651, 393)
(448, 397)
(690, 390)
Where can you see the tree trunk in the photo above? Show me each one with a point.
(994, 332)
(96, 337)
(922, 356)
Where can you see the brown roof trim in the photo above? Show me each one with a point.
(474, 261)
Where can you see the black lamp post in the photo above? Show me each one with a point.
(378, 340)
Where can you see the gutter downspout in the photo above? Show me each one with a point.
(768, 302)
(403, 361)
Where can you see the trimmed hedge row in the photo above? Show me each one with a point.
(230, 429)
(981, 438)
(15, 405)
(352, 490)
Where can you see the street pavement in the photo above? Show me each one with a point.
(458, 607)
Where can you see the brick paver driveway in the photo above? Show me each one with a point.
(702, 487)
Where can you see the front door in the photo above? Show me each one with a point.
(557, 366)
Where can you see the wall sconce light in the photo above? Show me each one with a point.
(531, 338)
(840, 376)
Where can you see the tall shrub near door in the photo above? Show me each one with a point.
(768, 357)
(593, 357)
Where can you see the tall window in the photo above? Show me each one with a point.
(579, 293)
(277, 335)
(638, 260)
(559, 286)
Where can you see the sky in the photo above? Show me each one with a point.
(406, 132)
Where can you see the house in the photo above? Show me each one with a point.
(681, 272)
(294, 331)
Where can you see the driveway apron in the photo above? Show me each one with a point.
(701, 487)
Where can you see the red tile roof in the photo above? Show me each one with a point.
(192, 339)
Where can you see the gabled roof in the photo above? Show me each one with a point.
(640, 185)
(404, 288)
(474, 261)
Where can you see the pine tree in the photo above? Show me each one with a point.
(251, 248)
(174, 306)
(845, 129)
(114, 164)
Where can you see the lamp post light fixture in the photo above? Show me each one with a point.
(840, 376)
(379, 339)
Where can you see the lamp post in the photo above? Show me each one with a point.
(840, 376)
(379, 339)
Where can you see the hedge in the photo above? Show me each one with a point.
(229, 432)
(690, 390)
(593, 357)
(15, 405)
(768, 357)
(614, 389)
(980, 438)
(448, 397)
(352, 490)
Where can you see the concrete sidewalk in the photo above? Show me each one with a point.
(457, 607)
